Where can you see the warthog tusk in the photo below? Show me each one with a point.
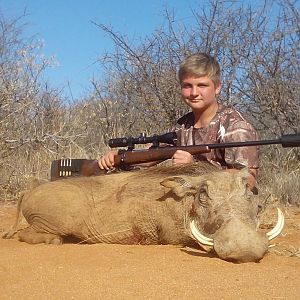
(278, 227)
(199, 237)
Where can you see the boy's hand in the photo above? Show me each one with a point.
(107, 162)
(181, 157)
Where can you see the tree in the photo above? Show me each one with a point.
(258, 50)
(29, 110)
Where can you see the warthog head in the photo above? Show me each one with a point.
(223, 216)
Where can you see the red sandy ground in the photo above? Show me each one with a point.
(104, 271)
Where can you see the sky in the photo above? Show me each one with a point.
(68, 33)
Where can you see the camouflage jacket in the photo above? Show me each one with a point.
(228, 125)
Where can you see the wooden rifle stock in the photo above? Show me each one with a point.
(143, 156)
(86, 167)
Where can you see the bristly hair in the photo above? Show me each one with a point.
(195, 169)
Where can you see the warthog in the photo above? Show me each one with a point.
(161, 205)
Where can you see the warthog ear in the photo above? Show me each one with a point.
(180, 185)
(242, 178)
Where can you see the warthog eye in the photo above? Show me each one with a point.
(203, 195)
(203, 191)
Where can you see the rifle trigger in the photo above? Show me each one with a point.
(123, 157)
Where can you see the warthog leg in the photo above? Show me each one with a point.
(30, 236)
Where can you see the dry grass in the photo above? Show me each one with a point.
(279, 177)
(17, 169)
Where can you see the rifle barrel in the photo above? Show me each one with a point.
(242, 144)
(287, 140)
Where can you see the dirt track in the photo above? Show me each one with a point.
(144, 272)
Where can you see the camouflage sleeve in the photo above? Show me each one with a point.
(240, 157)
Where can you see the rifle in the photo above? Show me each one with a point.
(88, 167)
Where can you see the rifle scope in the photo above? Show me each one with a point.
(167, 138)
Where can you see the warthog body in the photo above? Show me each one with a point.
(153, 206)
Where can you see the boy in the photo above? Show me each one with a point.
(208, 122)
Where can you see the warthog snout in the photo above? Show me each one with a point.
(245, 244)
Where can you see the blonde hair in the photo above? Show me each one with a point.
(199, 65)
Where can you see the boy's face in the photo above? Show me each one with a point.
(199, 93)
